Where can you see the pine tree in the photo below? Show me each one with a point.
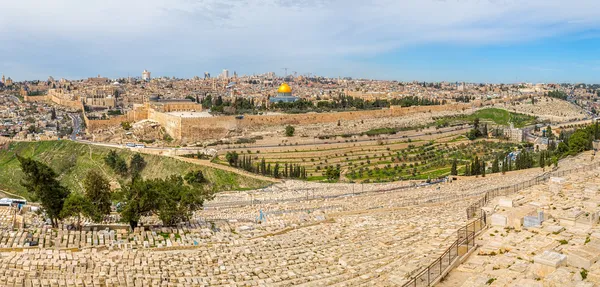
(453, 171)
(485, 131)
(542, 160)
(476, 168)
(467, 169)
(495, 166)
(483, 168)
(276, 171)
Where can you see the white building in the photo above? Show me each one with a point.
(514, 134)
(225, 74)
(146, 75)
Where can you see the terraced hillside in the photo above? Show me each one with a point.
(72, 161)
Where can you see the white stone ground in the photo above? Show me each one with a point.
(375, 239)
(560, 252)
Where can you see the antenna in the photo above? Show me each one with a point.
(285, 71)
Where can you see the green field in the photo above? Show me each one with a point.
(492, 115)
(72, 161)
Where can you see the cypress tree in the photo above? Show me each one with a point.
(483, 168)
(453, 170)
(495, 166)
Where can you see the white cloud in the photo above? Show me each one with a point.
(205, 31)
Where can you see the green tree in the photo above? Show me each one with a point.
(232, 158)
(473, 134)
(542, 160)
(111, 158)
(136, 165)
(289, 131)
(579, 141)
(176, 201)
(76, 205)
(483, 168)
(97, 192)
(116, 163)
(140, 198)
(126, 125)
(453, 170)
(562, 148)
(332, 173)
(121, 167)
(549, 133)
(496, 165)
(195, 177)
(41, 181)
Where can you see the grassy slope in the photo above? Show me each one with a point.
(72, 161)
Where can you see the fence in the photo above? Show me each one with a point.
(464, 243)
(466, 235)
(475, 209)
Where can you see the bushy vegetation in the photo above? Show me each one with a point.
(557, 94)
(71, 161)
(289, 131)
(277, 170)
(492, 115)
(173, 199)
(338, 103)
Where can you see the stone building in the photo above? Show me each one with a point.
(514, 134)
(146, 75)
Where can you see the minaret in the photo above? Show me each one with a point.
(3, 79)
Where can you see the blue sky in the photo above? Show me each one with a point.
(426, 40)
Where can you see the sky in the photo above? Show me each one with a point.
(425, 40)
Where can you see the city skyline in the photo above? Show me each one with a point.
(470, 41)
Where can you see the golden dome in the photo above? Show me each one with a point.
(284, 88)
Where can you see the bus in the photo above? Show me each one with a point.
(12, 201)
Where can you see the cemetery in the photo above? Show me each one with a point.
(303, 233)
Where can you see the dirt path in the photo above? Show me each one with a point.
(4, 192)
(226, 168)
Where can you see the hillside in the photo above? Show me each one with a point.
(497, 116)
(72, 161)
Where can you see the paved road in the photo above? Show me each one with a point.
(76, 125)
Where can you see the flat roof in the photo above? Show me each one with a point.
(191, 114)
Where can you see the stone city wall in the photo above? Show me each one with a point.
(135, 115)
(207, 128)
(171, 123)
(191, 129)
(74, 104)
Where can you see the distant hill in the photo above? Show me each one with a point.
(72, 161)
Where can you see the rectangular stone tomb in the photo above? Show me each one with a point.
(550, 258)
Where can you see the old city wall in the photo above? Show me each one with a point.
(207, 128)
(36, 99)
(93, 125)
(171, 123)
(74, 104)
(316, 118)
(135, 115)
(192, 129)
